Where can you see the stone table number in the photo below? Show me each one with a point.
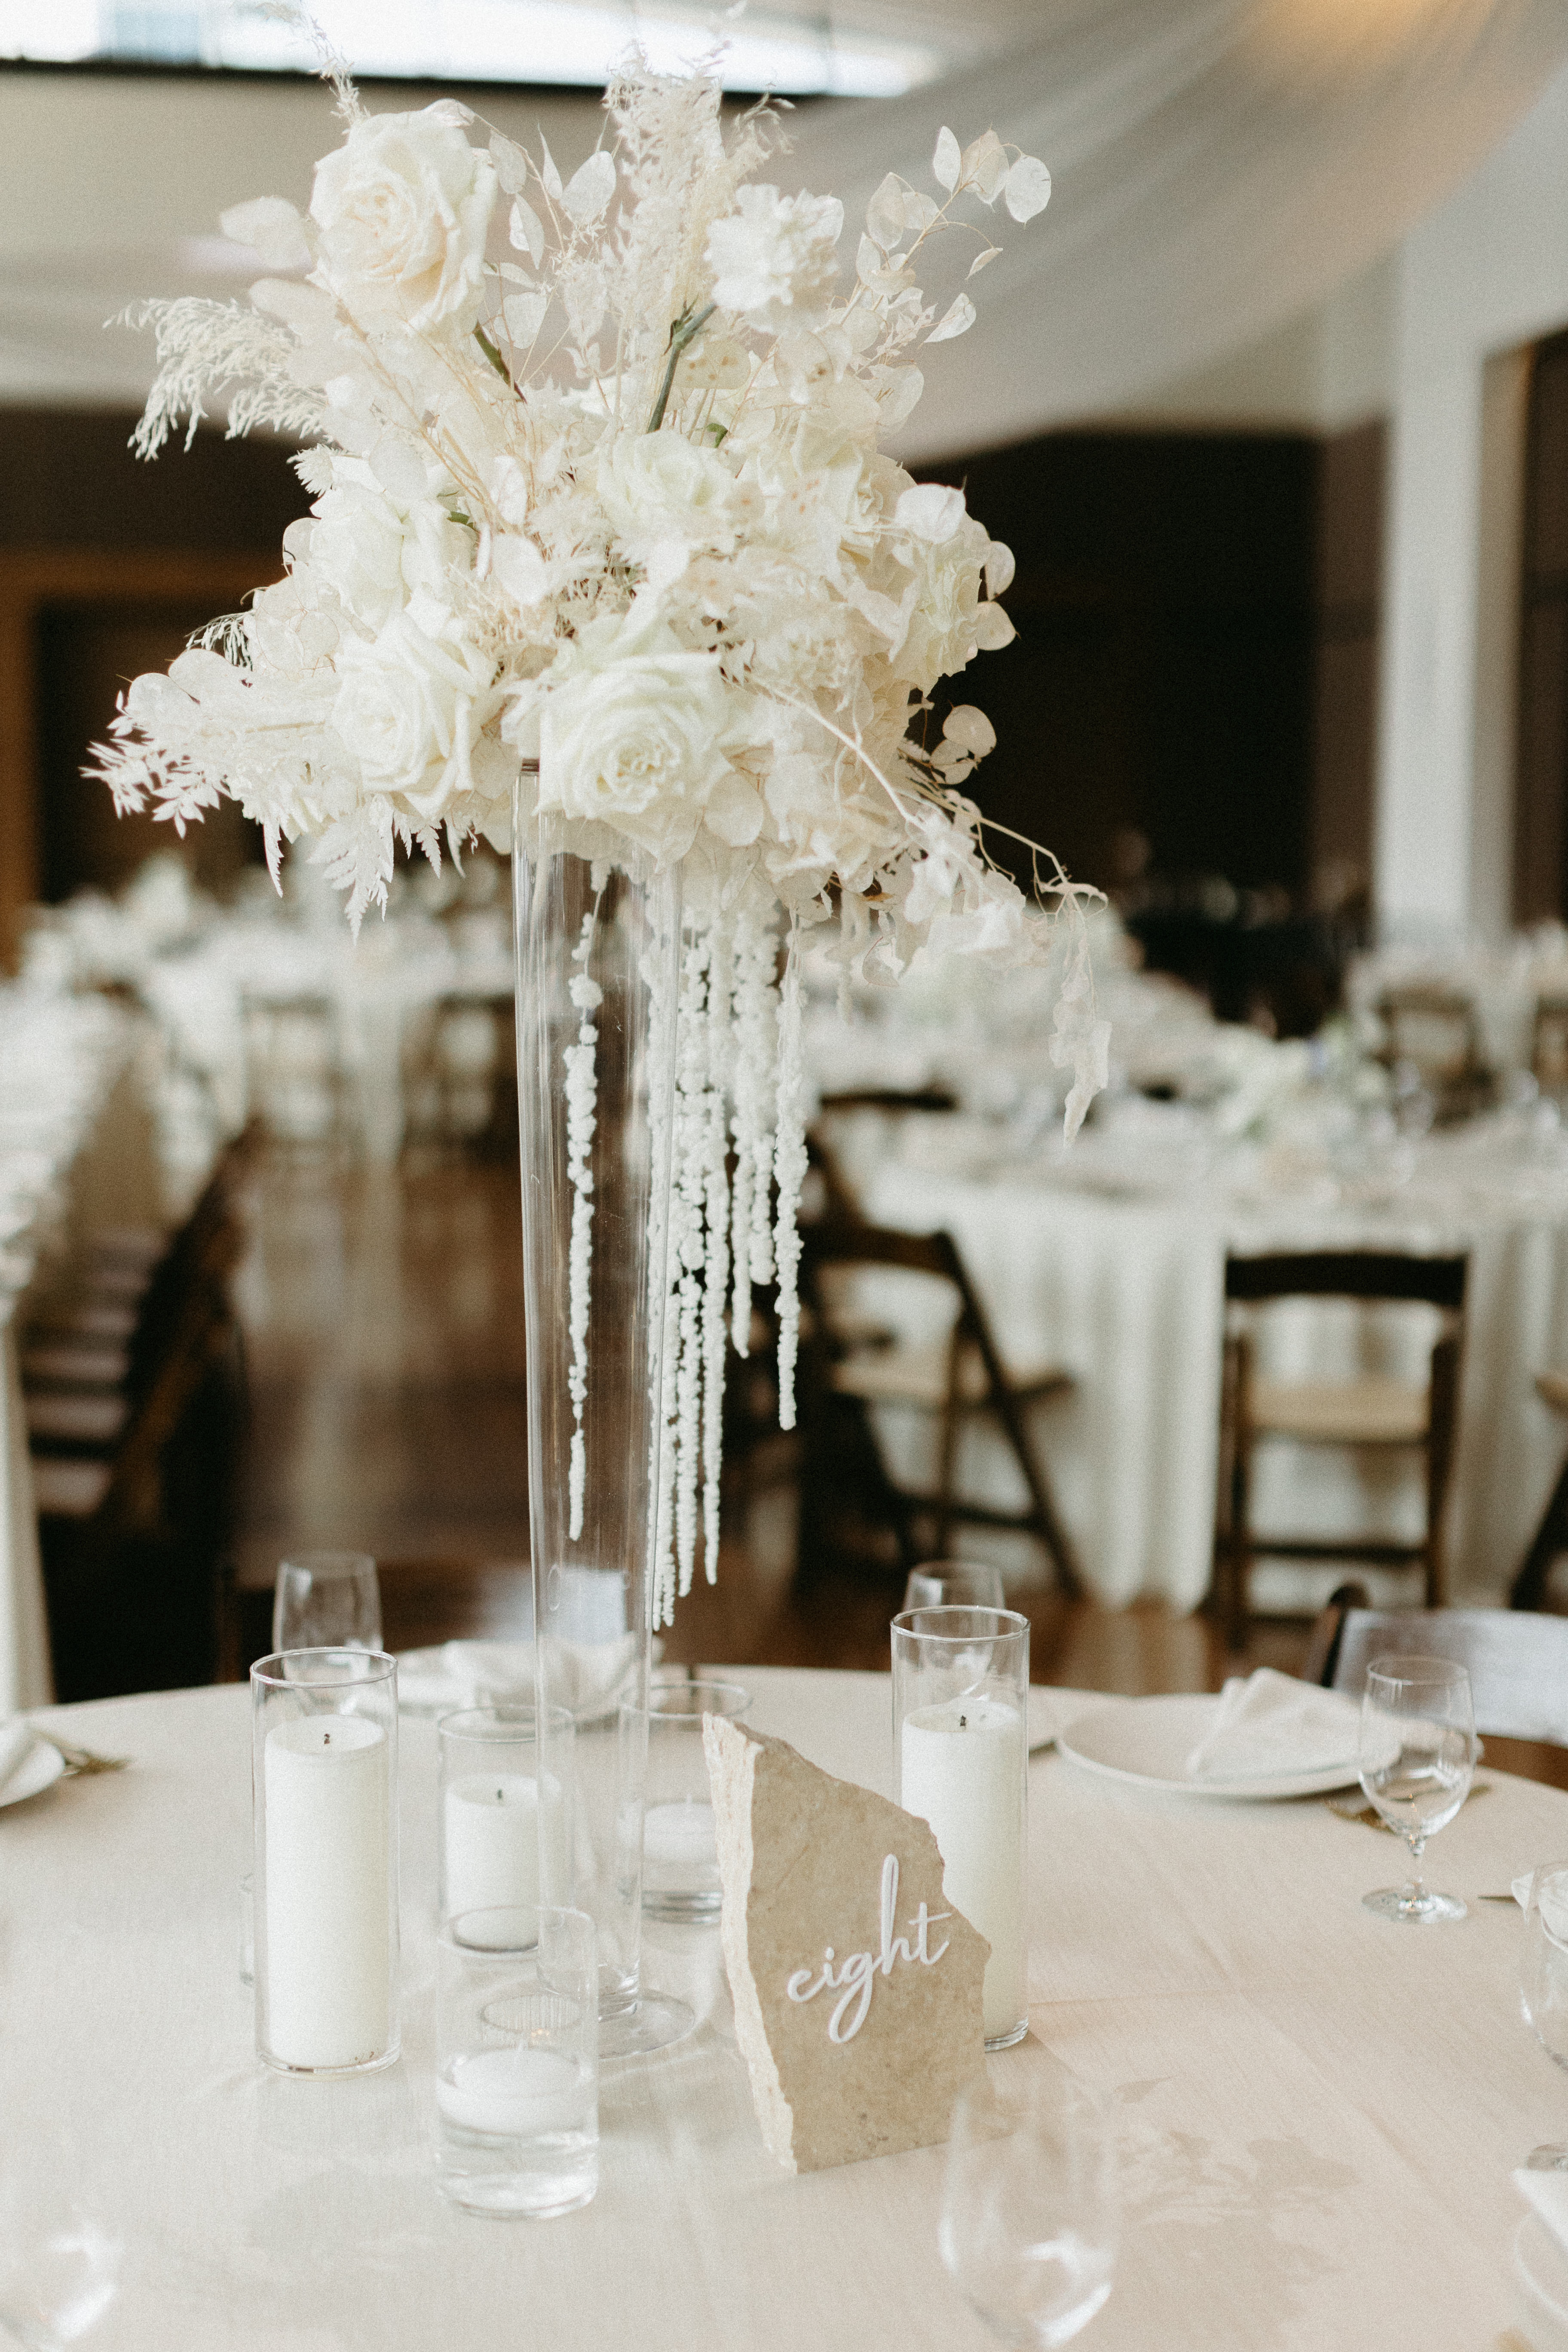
(858, 1989)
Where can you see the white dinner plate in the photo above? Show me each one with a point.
(36, 1773)
(1148, 1740)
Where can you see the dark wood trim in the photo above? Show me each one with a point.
(31, 580)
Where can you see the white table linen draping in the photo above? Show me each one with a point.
(1120, 1282)
(1317, 2112)
(78, 1156)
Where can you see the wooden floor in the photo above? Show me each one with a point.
(383, 1314)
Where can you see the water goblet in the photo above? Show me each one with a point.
(1543, 1982)
(954, 1584)
(1029, 2221)
(326, 1600)
(1417, 1753)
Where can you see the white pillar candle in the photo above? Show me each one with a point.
(680, 1832)
(515, 2094)
(962, 1771)
(328, 1891)
(494, 1836)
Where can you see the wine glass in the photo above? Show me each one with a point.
(1030, 2220)
(327, 1600)
(1417, 1753)
(1543, 1982)
(954, 1584)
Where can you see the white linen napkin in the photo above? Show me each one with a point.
(1553, 1911)
(1268, 1723)
(18, 1742)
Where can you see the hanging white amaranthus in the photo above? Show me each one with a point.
(597, 482)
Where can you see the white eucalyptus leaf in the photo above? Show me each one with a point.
(511, 162)
(513, 275)
(999, 569)
(589, 189)
(885, 213)
(985, 167)
(931, 512)
(1028, 188)
(980, 259)
(898, 395)
(867, 262)
(919, 212)
(969, 731)
(993, 629)
(548, 173)
(945, 162)
(958, 316)
(527, 231)
(272, 228)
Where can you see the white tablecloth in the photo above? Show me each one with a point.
(1122, 1282)
(1318, 2111)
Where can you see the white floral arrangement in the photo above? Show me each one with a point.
(616, 505)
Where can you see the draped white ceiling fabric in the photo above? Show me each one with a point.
(1219, 166)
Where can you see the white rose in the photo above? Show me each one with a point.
(772, 261)
(408, 708)
(633, 735)
(402, 208)
(356, 547)
(658, 487)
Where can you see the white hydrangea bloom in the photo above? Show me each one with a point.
(774, 260)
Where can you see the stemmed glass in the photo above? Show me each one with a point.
(1543, 1982)
(1417, 1753)
(954, 1584)
(327, 1600)
(1030, 2220)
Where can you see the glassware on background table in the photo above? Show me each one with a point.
(1543, 1982)
(1030, 2220)
(953, 1584)
(961, 1694)
(1417, 1753)
(679, 1853)
(325, 1777)
(326, 1600)
(495, 1844)
(517, 2062)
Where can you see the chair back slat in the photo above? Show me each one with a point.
(1347, 1274)
(1518, 1662)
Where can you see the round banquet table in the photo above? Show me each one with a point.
(1318, 2111)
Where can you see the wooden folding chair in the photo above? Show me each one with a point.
(1370, 1411)
(846, 1361)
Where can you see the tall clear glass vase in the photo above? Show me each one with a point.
(598, 949)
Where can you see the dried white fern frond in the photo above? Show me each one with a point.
(203, 346)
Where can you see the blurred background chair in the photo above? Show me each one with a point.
(1517, 1662)
(950, 1374)
(1550, 1539)
(136, 1404)
(1373, 1410)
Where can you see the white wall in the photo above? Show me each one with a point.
(1484, 274)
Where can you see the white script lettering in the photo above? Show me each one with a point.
(854, 1980)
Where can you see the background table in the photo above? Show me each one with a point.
(1318, 2111)
(1109, 1260)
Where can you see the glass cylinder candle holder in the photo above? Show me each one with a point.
(961, 1690)
(503, 1828)
(679, 1849)
(324, 1777)
(517, 2060)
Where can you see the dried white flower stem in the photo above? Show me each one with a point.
(582, 1118)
